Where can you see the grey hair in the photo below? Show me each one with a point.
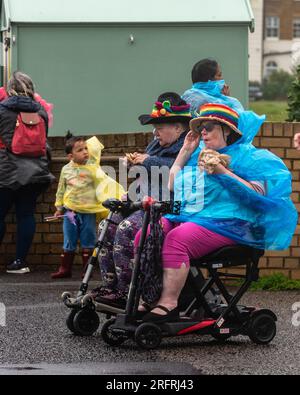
(20, 84)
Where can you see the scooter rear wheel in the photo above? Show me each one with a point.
(262, 328)
(148, 336)
(109, 336)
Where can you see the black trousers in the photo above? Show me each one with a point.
(24, 200)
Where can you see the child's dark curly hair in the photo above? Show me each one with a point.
(71, 141)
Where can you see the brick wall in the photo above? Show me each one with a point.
(278, 138)
(47, 244)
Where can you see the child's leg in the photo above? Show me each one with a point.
(87, 230)
(71, 234)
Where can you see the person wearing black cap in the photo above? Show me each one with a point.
(170, 118)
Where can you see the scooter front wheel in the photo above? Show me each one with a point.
(70, 321)
(148, 336)
(86, 322)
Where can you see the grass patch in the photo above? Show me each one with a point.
(276, 111)
(275, 282)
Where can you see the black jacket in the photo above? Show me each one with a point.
(159, 157)
(17, 171)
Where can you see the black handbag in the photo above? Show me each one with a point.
(151, 272)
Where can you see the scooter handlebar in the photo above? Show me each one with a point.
(116, 205)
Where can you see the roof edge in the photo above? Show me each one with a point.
(130, 23)
(5, 15)
(251, 14)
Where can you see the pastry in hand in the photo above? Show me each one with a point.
(209, 159)
(130, 157)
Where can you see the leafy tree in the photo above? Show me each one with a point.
(277, 86)
(254, 83)
(294, 98)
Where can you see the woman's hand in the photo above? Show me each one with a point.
(226, 90)
(191, 142)
(135, 158)
(297, 141)
(213, 162)
(140, 158)
(213, 168)
(219, 169)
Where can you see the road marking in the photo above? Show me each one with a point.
(34, 306)
(2, 314)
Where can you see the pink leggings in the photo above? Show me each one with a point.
(187, 241)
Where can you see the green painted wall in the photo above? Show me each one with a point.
(99, 83)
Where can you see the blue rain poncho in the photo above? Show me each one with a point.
(209, 92)
(226, 206)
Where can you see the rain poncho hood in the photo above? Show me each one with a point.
(209, 92)
(224, 205)
(82, 188)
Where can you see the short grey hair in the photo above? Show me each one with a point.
(20, 84)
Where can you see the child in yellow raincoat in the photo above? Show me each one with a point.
(82, 187)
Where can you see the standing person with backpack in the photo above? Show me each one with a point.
(24, 171)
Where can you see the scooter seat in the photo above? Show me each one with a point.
(235, 255)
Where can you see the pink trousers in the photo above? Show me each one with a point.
(187, 241)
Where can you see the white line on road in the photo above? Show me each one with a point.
(35, 306)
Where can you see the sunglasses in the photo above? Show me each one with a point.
(208, 126)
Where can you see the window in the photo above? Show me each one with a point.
(296, 28)
(270, 68)
(272, 26)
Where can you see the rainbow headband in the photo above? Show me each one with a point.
(166, 110)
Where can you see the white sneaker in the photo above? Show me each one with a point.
(18, 267)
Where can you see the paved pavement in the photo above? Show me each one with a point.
(35, 339)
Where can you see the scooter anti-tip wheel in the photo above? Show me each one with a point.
(109, 336)
(148, 336)
(65, 296)
(86, 322)
(86, 300)
(262, 327)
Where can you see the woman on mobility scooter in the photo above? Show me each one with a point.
(170, 118)
(247, 203)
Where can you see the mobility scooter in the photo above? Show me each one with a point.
(198, 316)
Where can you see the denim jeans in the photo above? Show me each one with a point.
(84, 231)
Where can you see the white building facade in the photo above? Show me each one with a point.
(275, 45)
(256, 42)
